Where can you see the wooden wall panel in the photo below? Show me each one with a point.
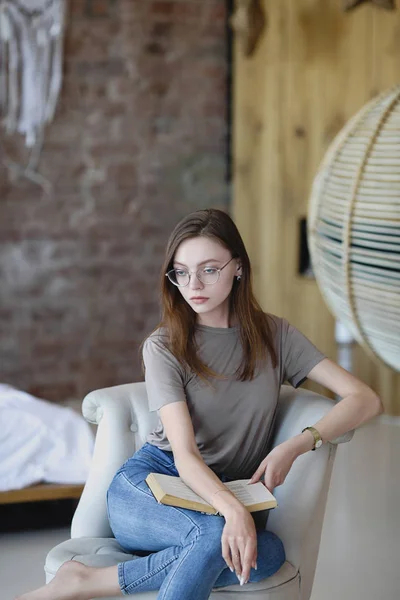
(314, 68)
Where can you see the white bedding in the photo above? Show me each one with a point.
(41, 441)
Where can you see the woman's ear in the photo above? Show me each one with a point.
(238, 269)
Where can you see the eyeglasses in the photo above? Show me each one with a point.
(207, 275)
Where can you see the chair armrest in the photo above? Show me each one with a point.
(302, 497)
(112, 410)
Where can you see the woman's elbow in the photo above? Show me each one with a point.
(377, 404)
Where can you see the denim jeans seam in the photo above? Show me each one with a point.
(132, 586)
(121, 580)
(189, 547)
(136, 487)
(195, 526)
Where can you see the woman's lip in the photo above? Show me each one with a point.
(199, 298)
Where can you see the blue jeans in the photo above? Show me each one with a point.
(179, 550)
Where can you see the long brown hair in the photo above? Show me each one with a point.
(179, 319)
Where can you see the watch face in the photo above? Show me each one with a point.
(318, 444)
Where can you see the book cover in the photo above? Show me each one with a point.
(171, 490)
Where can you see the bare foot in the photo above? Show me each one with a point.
(66, 585)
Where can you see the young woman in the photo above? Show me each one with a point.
(213, 371)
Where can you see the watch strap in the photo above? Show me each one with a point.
(316, 435)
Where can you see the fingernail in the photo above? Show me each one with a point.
(238, 577)
(255, 567)
(241, 580)
(231, 569)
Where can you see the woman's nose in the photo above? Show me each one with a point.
(195, 282)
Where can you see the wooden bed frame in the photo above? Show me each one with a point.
(42, 491)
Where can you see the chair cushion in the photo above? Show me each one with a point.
(105, 552)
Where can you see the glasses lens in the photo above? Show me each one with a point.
(178, 277)
(208, 276)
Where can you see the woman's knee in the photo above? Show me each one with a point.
(274, 548)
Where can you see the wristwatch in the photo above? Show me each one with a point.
(317, 437)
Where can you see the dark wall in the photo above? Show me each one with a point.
(139, 140)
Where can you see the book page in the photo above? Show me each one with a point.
(249, 494)
(246, 494)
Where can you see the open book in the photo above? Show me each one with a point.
(171, 490)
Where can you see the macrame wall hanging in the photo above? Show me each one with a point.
(31, 45)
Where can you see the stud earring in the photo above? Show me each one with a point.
(239, 277)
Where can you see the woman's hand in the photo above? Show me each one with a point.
(276, 465)
(239, 543)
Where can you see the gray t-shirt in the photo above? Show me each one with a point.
(233, 422)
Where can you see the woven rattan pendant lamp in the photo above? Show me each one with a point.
(354, 227)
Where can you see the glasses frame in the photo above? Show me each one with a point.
(190, 273)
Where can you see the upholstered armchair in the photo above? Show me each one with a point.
(123, 420)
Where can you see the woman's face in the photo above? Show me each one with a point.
(199, 253)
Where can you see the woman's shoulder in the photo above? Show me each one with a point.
(157, 339)
(159, 334)
(279, 328)
(158, 343)
(156, 350)
(274, 321)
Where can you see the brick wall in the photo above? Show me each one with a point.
(139, 140)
